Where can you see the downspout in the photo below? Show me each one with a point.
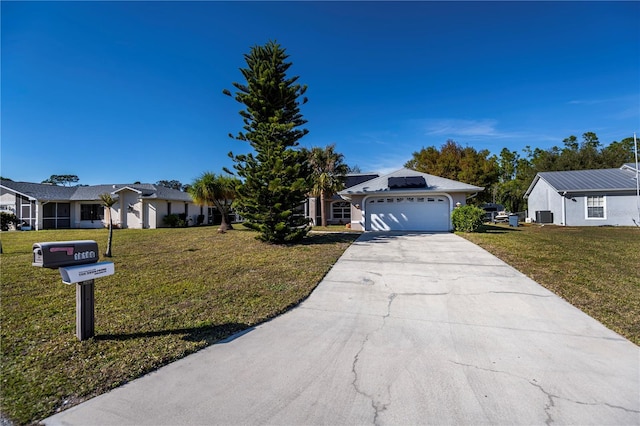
(564, 211)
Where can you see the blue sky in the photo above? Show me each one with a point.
(117, 92)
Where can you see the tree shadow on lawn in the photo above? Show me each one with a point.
(330, 238)
(493, 229)
(210, 334)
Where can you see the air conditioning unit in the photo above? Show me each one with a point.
(544, 216)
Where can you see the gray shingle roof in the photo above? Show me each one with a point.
(589, 180)
(434, 184)
(44, 192)
(40, 191)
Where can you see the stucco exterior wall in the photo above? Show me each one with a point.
(620, 209)
(459, 198)
(544, 197)
(161, 210)
(127, 206)
(150, 216)
(357, 219)
(158, 209)
(313, 212)
(8, 201)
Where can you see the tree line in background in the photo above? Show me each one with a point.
(506, 177)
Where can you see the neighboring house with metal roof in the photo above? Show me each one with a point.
(585, 197)
(406, 200)
(45, 206)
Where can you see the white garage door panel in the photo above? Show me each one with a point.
(407, 214)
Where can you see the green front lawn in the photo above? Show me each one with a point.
(178, 290)
(596, 269)
(174, 291)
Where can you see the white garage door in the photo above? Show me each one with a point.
(407, 213)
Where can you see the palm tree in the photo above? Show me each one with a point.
(108, 201)
(328, 175)
(218, 190)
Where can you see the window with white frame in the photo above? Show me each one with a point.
(341, 210)
(595, 207)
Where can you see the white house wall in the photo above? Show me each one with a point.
(357, 220)
(134, 215)
(313, 213)
(160, 209)
(192, 216)
(620, 210)
(150, 216)
(459, 198)
(543, 197)
(13, 203)
(127, 219)
(8, 202)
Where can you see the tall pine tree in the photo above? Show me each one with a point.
(276, 175)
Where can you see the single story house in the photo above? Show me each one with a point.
(585, 197)
(405, 200)
(138, 206)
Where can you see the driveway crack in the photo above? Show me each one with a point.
(377, 405)
(551, 398)
(392, 296)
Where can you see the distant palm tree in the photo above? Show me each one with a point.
(328, 175)
(218, 190)
(108, 201)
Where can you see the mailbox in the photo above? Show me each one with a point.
(65, 253)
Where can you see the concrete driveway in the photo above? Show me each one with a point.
(405, 329)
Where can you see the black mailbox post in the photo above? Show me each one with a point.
(77, 261)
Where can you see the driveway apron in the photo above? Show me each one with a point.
(406, 328)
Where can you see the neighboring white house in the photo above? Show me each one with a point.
(585, 197)
(138, 206)
(405, 200)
